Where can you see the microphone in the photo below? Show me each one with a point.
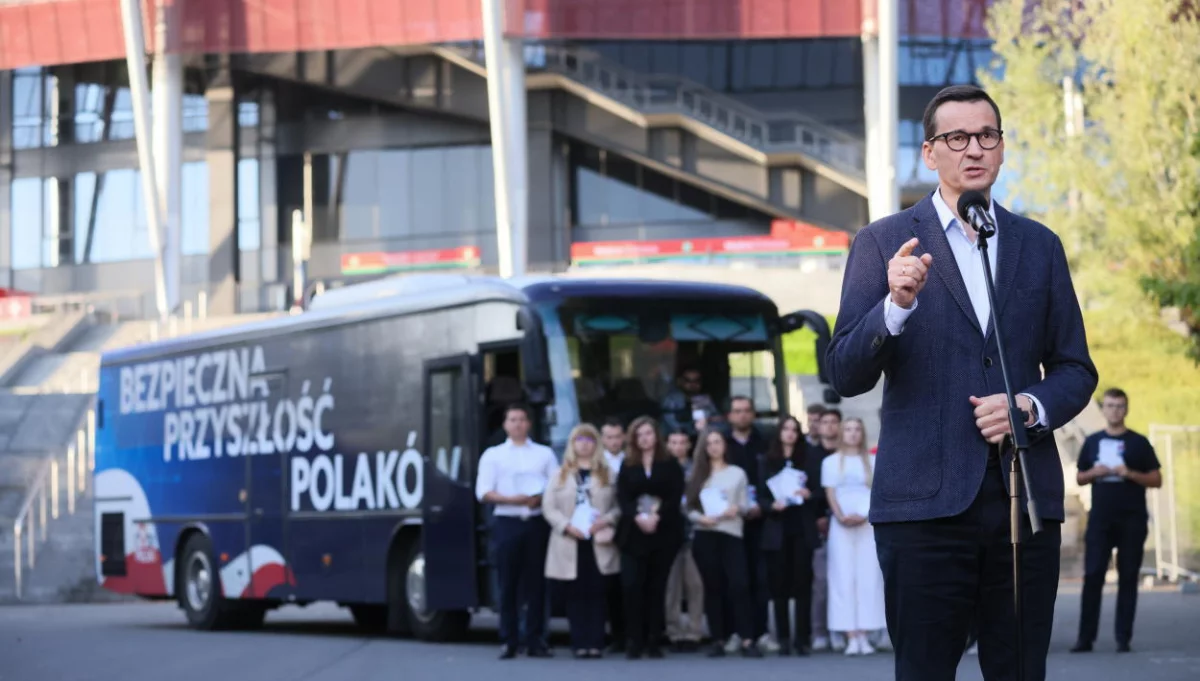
(973, 206)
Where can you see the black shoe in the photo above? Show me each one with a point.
(1082, 647)
(751, 651)
(716, 650)
(785, 650)
(1123, 647)
(508, 652)
(803, 650)
(540, 651)
(617, 648)
(655, 653)
(633, 653)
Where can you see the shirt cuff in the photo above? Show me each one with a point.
(1042, 419)
(895, 316)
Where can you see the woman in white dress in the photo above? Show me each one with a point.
(855, 580)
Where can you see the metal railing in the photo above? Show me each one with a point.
(657, 94)
(1175, 526)
(42, 500)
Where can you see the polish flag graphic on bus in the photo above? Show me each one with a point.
(250, 574)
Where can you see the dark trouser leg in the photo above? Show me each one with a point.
(779, 572)
(1099, 542)
(707, 552)
(756, 577)
(931, 579)
(506, 539)
(736, 581)
(1039, 581)
(802, 574)
(585, 601)
(1131, 546)
(655, 594)
(634, 574)
(616, 611)
(533, 577)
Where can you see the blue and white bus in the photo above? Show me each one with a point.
(330, 455)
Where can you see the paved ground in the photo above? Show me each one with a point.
(148, 641)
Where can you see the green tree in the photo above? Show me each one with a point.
(1122, 188)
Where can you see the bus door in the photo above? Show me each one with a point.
(448, 501)
(265, 547)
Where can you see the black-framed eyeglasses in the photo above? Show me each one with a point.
(958, 140)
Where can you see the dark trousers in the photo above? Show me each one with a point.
(721, 560)
(585, 600)
(790, 576)
(616, 611)
(1128, 536)
(520, 550)
(644, 585)
(756, 578)
(938, 574)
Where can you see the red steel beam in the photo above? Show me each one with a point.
(49, 32)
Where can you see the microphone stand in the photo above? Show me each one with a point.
(1018, 472)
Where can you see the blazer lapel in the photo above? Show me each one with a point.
(1010, 244)
(932, 236)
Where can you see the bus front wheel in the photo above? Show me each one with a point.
(200, 593)
(427, 625)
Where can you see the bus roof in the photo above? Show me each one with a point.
(398, 295)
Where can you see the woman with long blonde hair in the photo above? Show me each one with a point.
(855, 580)
(581, 506)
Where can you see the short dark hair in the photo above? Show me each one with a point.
(832, 410)
(956, 93)
(1116, 393)
(740, 398)
(521, 407)
(817, 408)
(613, 422)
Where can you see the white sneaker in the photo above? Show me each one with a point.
(733, 644)
(853, 647)
(864, 646)
(767, 644)
(820, 643)
(838, 642)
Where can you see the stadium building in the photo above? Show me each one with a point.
(649, 129)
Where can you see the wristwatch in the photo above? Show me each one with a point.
(1033, 411)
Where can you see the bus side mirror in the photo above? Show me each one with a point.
(534, 361)
(795, 321)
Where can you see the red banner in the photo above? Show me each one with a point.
(49, 32)
(787, 238)
(380, 262)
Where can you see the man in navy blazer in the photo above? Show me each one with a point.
(914, 308)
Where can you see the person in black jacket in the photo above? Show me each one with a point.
(747, 448)
(650, 532)
(790, 534)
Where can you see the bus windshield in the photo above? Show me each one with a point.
(662, 358)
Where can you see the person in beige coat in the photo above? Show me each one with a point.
(581, 507)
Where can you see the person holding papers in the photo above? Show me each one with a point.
(855, 579)
(1119, 464)
(791, 500)
(581, 507)
(649, 534)
(512, 476)
(716, 502)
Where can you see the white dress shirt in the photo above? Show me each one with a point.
(614, 460)
(970, 265)
(508, 468)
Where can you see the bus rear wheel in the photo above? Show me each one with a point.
(200, 593)
(426, 625)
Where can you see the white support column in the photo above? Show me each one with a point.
(167, 92)
(881, 97)
(505, 63)
(135, 59)
(889, 103)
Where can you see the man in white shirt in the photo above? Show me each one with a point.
(512, 477)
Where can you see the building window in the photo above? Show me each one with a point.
(249, 205)
(613, 190)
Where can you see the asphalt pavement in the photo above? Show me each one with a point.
(149, 641)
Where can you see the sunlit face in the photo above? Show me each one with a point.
(585, 447)
(678, 445)
(516, 424)
(974, 167)
(831, 427)
(714, 446)
(646, 438)
(741, 414)
(852, 434)
(613, 438)
(789, 434)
